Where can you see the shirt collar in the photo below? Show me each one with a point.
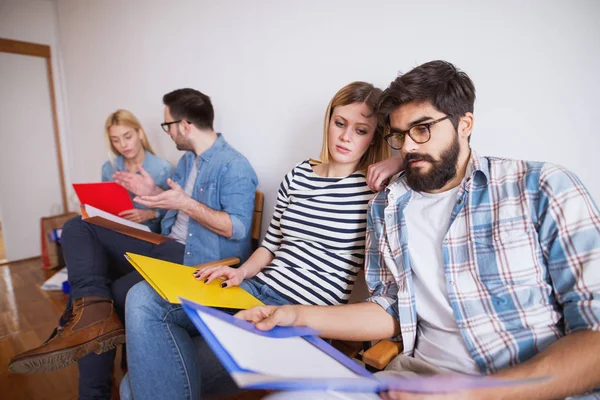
(214, 149)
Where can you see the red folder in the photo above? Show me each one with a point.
(106, 196)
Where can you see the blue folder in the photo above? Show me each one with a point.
(361, 380)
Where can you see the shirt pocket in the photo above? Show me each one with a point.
(508, 258)
(206, 193)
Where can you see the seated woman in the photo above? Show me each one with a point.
(311, 254)
(129, 145)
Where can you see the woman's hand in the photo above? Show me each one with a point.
(232, 276)
(380, 172)
(137, 215)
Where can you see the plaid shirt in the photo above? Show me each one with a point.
(521, 259)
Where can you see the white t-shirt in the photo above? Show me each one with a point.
(180, 227)
(438, 339)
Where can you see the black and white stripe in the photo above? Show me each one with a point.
(317, 235)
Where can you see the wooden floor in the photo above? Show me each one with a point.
(27, 317)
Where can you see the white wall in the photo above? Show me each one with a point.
(30, 190)
(271, 67)
(36, 21)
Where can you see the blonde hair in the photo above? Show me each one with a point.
(125, 118)
(359, 92)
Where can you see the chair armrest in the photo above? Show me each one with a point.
(350, 349)
(225, 261)
(380, 355)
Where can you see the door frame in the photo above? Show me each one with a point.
(41, 50)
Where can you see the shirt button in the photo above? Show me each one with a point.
(389, 215)
(201, 189)
(188, 253)
(189, 234)
(459, 201)
(391, 196)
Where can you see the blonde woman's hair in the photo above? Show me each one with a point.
(125, 118)
(359, 92)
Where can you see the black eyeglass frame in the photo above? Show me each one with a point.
(165, 125)
(426, 125)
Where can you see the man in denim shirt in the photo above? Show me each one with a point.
(210, 206)
(478, 265)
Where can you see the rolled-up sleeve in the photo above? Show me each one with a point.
(569, 234)
(237, 193)
(382, 285)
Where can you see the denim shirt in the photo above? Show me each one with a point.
(225, 182)
(159, 169)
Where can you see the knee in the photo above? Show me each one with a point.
(71, 228)
(142, 301)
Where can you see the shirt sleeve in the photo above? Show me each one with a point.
(273, 237)
(382, 285)
(569, 235)
(237, 196)
(107, 172)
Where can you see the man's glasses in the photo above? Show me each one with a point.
(418, 133)
(165, 125)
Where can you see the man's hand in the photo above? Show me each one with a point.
(137, 215)
(173, 199)
(267, 317)
(233, 276)
(380, 172)
(461, 395)
(141, 184)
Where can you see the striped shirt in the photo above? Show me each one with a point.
(521, 259)
(317, 236)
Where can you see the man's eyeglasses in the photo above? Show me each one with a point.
(419, 133)
(165, 125)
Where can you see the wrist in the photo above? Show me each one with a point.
(302, 317)
(245, 274)
(187, 205)
(155, 191)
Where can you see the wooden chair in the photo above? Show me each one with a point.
(259, 200)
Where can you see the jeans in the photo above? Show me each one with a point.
(180, 365)
(97, 267)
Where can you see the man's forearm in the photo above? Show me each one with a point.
(356, 322)
(573, 364)
(217, 221)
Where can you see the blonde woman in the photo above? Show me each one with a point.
(130, 149)
(311, 254)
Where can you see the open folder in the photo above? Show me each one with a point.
(172, 281)
(294, 358)
(106, 196)
(106, 220)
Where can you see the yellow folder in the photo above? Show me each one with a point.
(172, 281)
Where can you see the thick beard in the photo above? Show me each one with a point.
(442, 170)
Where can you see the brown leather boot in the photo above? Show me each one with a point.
(91, 325)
